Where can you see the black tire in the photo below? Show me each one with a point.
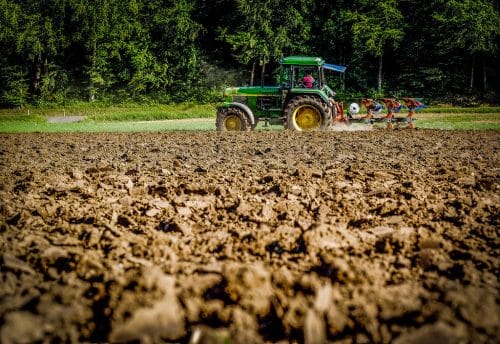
(232, 119)
(306, 113)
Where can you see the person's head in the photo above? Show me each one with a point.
(308, 72)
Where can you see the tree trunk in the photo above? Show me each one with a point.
(93, 53)
(343, 74)
(263, 72)
(252, 75)
(379, 81)
(46, 67)
(471, 86)
(485, 84)
(38, 76)
(342, 79)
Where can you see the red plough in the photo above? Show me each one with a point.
(374, 112)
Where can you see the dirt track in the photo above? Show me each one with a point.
(268, 236)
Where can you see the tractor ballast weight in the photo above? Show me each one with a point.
(290, 103)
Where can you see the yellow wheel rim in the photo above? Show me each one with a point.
(306, 117)
(232, 123)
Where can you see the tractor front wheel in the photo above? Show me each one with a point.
(232, 119)
(306, 113)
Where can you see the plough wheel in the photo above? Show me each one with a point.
(232, 119)
(389, 125)
(306, 113)
(411, 125)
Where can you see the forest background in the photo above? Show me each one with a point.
(57, 52)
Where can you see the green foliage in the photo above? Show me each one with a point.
(472, 25)
(376, 26)
(15, 86)
(55, 52)
(267, 31)
(54, 85)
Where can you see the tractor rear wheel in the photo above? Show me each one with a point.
(306, 113)
(232, 119)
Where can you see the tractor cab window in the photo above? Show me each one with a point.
(305, 77)
(299, 77)
(284, 77)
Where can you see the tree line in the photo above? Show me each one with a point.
(58, 51)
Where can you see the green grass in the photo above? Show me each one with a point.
(21, 118)
(93, 126)
(133, 112)
(461, 110)
(155, 113)
(135, 118)
(458, 121)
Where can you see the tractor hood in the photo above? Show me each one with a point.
(251, 91)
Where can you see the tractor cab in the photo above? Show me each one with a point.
(294, 69)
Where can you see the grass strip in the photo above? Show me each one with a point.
(133, 112)
(152, 118)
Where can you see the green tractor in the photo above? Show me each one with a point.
(301, 101)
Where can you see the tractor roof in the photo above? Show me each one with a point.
(302, 61)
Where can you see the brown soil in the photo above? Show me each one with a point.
(371, 236)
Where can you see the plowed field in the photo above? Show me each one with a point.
(373, 236)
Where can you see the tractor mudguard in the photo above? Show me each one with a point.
(245, 108)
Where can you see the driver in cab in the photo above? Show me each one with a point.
(308, 80)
